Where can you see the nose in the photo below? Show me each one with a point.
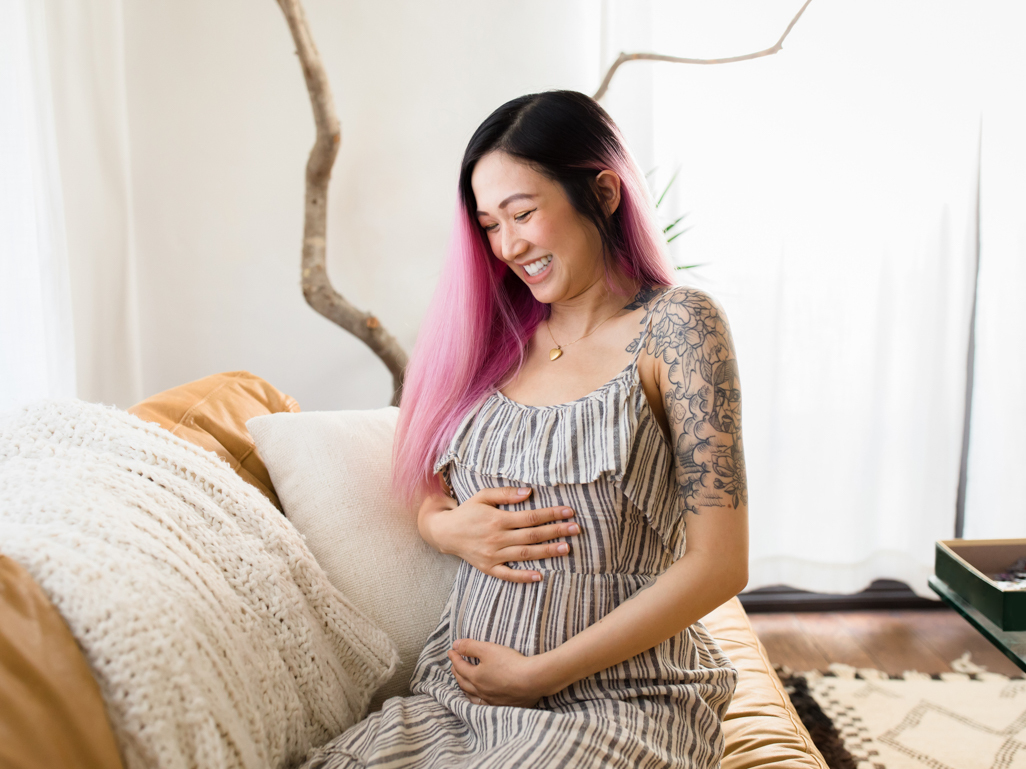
(512, 244)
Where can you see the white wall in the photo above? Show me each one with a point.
(220, 129)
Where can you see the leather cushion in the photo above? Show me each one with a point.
(51, 710)
(212, 413)
(762, 728)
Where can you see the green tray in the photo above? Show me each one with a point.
(963, 564)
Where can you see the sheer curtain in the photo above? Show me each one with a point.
(68, 317)
(87, 59)
(831, 190)
(36, 336)
(996, 490)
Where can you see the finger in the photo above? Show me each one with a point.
(503, 495)
(462, 670)
(534, 552)
(470, 647)
(470, 690)
(515, 575)
(534, 535)
(525, 519)
(466, 689)
(477, 699)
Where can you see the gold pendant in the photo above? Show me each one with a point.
(554, 353)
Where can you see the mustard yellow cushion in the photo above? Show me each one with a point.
(761, 728)
(51, 710)
(212, 413)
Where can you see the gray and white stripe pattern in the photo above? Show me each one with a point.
(605, 456)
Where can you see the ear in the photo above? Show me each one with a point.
(607, 183)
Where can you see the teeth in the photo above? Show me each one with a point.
(535, 267)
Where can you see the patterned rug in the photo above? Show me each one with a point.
(865, 719)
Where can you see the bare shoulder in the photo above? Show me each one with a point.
(689, 328)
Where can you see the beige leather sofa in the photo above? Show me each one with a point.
(51, 711)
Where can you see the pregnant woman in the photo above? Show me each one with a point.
(569, 414)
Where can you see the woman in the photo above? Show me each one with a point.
(571, 636)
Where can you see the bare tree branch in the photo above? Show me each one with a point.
(625, 57)
(317, 287)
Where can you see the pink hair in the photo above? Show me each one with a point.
(473, 338)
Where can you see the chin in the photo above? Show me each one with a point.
(544, 293)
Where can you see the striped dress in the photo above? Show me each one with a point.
(604, 456)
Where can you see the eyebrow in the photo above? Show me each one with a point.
(510, 199)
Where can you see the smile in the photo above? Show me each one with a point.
(537, 266)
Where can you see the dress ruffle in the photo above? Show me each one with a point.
(611, 431)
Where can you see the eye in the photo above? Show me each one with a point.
(523, 217)
(489, 227)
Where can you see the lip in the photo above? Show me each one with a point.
(541, 275)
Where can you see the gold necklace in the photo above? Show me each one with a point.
(557, 351)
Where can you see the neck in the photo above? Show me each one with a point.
(580, 314)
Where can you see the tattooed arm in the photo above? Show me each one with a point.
(698, 379)
(698, 383)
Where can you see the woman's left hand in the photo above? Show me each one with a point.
(504, 676)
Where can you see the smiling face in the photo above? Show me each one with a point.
(533, 227)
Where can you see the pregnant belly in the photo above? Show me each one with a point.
(536, 617)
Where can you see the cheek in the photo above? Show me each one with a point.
(547, 236)
(571, 240)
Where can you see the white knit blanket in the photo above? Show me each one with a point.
(216, 639)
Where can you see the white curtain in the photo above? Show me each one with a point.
(832, 193)
(68, 312)
(996, 496)
(87, 59)
(36, 338)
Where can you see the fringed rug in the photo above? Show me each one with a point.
(865, 719)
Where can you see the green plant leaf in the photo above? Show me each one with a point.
(677, 235)
(674, 223)
(668, 185)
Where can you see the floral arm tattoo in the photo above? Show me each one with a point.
(703, 405)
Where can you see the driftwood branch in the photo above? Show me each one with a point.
(623, 58)
(317, 287)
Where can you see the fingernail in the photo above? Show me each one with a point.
(567, 512)
(536, 577)
(574, 528)
(562, 548)
(522, 490)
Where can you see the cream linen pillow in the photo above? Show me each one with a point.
(331, 471)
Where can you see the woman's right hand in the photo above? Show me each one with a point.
(487, 537)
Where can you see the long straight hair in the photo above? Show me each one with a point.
(474, 335)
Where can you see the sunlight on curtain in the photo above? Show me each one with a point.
(996, 490)
(87, 59)
(831, 190)
(36, 337)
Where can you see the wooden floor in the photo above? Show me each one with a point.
(926, 640)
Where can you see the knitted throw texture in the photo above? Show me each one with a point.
(216, 639)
